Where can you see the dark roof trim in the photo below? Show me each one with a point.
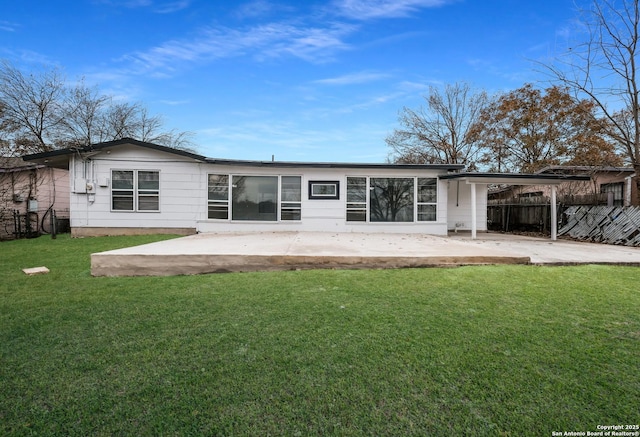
(25, 167)
(516, 177)
(105, 145)
(289, 164)
(274, 164)
(557, 169)
(10, 164)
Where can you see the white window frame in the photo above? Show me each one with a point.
(358, 206)
(335, 195)
(289, 207)
(218, 202)
(418, 204)
(366, 206)
(136, 191)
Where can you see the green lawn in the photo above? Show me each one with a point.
(497, 350)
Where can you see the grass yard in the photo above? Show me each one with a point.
(497, 350)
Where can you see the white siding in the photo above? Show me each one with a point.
(182, 190)
(459, 206)
(328, 215)
(183, 195)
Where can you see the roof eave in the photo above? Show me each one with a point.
(289, 164)
(56, 156)
(515, 178)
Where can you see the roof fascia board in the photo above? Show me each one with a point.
(515, 179)
(290, 164)
(101, 146)
(41, 157)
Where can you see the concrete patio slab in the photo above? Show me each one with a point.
(242, 252)
(543, 251)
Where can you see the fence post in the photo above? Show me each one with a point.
(554, 214)
(16, 224)
(54, 224)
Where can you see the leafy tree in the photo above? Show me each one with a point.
(527, 129)
(439, 132)
(604, 67)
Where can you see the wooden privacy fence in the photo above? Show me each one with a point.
(522, 216)
(603, 224)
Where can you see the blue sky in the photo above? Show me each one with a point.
(301, 80)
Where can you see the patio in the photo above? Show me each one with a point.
(243, 252)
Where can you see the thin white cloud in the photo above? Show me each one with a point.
(171, 7)
(255, 9)
(274, 40)
(371, 9)
(414, 87)
(372, 102)
(8, 26)
(354, 78)
(175, 102)
(127, 3)
(160, 7)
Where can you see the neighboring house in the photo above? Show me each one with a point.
(28, 194)
(131, 187)
(607, 185)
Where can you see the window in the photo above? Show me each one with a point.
(392, 199)
(148, 191)
(135, 190)
(617, 189)
(427, 197)
(356, 199)
(291, 194)
(218, 196)
(254, 198)
(324, 189)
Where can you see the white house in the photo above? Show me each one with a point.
(130, 187)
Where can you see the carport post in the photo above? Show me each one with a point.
(473, 211)
(554, 214)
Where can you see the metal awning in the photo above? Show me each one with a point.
(552, 180)
(514, 178)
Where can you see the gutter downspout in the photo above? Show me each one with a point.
(627, 194)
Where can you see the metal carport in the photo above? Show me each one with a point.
(552, 180)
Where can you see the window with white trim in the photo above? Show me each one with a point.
(390, 199)
(254, 198)
(135, 190)
(291, 195)
(218, 196)
(356, 199)
(427, 197)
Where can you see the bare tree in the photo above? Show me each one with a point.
(39, 112)
(119, 121)
(604, 68)
(439, 133)
(83, 112)
(31, 105)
